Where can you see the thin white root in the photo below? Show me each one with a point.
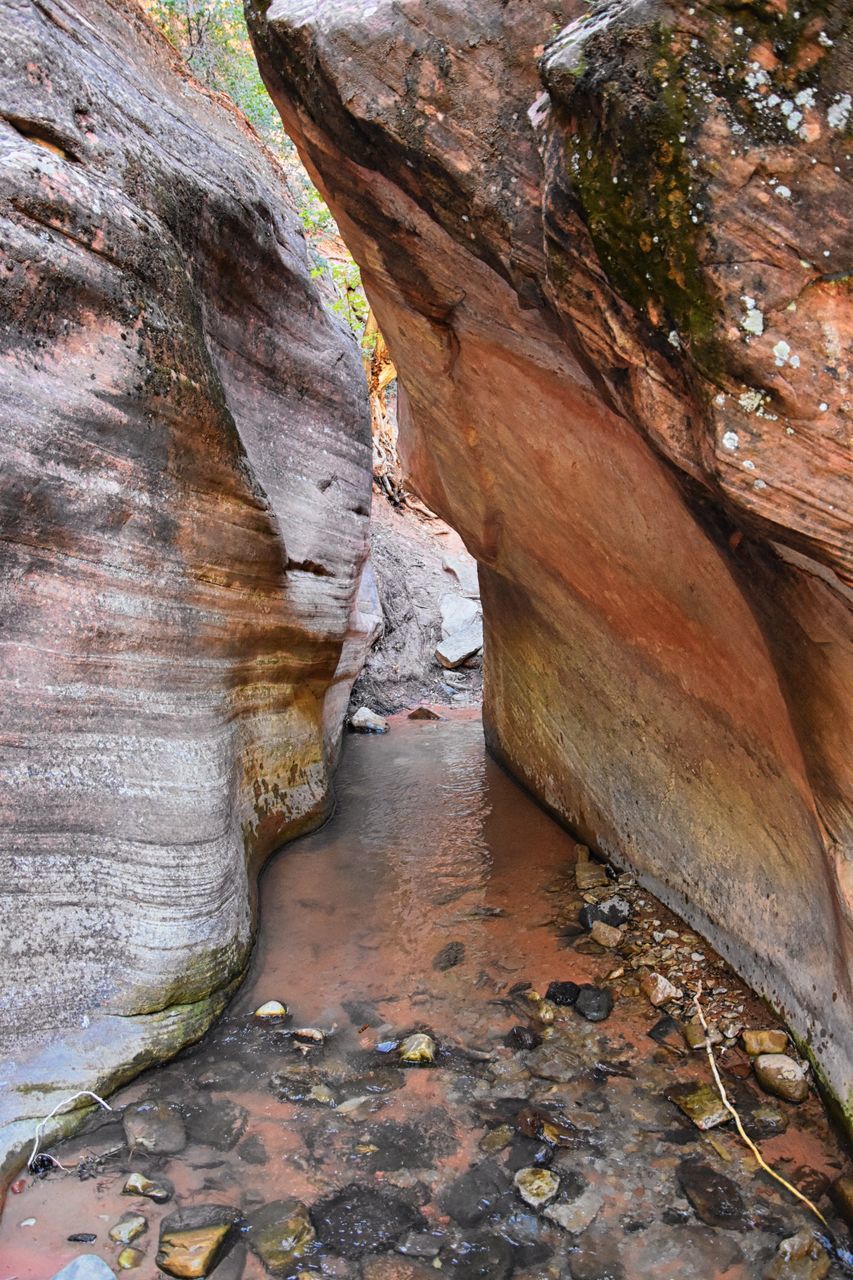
(84, 1093)
(739, 1125)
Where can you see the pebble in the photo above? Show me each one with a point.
(129, 1227)
(594, 1003)
(701, 1104)
(138, 1185)
(280, 1234)
(614, 911)
(537, 1187)
(782, 1076)
(578, 1214)
(716, 1200)
(417, 1049)
(271, 1009)
(367, 721)
(756, 1042)
(562, 993)
(130, 1258)
(589, 874)
(605, 934)
(800, 1257)
(521, 1038)
(423, 713)
(658, 990)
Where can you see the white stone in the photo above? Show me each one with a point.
(367, 721)
(464, 568)
(578, 1215)
(457, 612)
(271, 1009)
(456, 649)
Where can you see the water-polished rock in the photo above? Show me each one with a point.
(578, 1214)
(281, 1234)
(480, 1256)
(594, 1003)
(271, 1010)
(715, 1198)
(782, 1076)
(215, 1122)
(155, 1127)
(475, 1194)
(366, 721)
(756, 1042)
(841, 1194)
(158, 1190)
(129, 1258)
(129, 1227)
(800, 1257)
(700, 1103)
(537, 1186)
(522, 1038)
(193, 1241)
(562, 993)
(417, 1050)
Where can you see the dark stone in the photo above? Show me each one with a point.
(716, 1200)
(596, 1256)
(613, 911)
(82, 1237)
(216, 1122)
(594, 1003)
(359, 1220)
(404, 1146)
(252, 1150)
(449, 956)
(520, 1038)
(281, 1234)
(562, 993)
(475, 1194)
(480, 1257)
(528, 1151)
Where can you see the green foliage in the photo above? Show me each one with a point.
(212, 37)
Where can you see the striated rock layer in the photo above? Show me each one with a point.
(608, 253)
(184, 500)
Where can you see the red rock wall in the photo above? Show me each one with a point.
(568, 257)
(184, 501)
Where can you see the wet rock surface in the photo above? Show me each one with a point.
(562, 1152)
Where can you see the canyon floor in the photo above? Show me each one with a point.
(536, 1143)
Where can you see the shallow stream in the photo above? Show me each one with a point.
(434, 901)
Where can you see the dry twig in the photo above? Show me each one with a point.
(738, 1123)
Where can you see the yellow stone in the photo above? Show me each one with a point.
(271, 1009)
(417, 1048)
(757, 1042)
(129, 1258)
(190, 1254)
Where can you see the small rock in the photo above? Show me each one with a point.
(694, 1034)
(129, 1227)
(448, 957)
(589, 874)
(475, 1194)
(82, 1237)
(658, 990)
(359, 1220)
(155, 1127)
(496, 1139)
(271, 1009)
(605, 934)
(367, 721)
(423, 713)
(701, 1104)
(461, 645)
(800, 1257)
(614, 911)
(716, 1200)
(594, 1003)
(562, 993)
(546, 1012)
(757, 1042)
(521, 1038)
(782, 1076)
(578, 1214)
(457, 612)
(537, 1187)
(87, 1267)
(281, 1233)
(192, 1241)
(417, 1049)
(129, 1258)
(841, 1195)
(322, 1094)
(138, 1185)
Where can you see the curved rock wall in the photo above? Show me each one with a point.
(608, 254)
(184, 501)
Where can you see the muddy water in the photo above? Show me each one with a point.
(433, 897)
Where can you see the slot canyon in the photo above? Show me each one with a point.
(530, 652)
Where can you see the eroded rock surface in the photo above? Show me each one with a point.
(184, 498)
(612, 280)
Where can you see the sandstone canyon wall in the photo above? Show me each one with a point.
(609, 248)
(184, 502)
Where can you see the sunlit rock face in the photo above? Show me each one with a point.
(608, 254)
(184, 501)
